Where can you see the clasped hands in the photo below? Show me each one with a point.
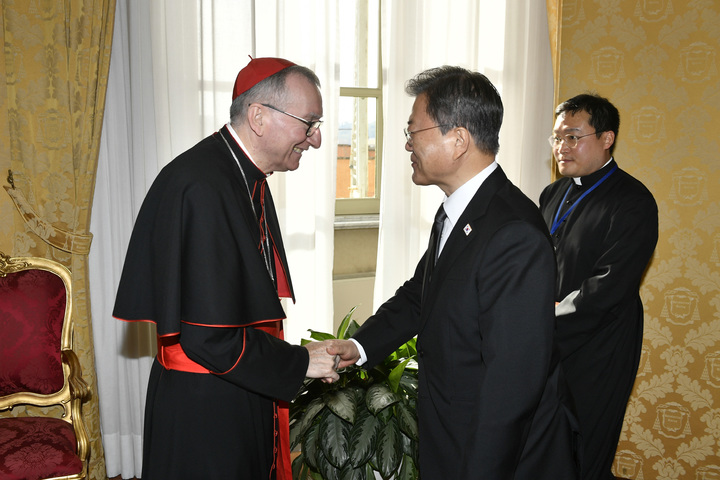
(328, 356)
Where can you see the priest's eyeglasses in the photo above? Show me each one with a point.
(408, 135)
(312, 126)
(570, 140)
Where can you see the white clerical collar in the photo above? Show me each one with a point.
(242, 146)
(578, 180)
(456, 203)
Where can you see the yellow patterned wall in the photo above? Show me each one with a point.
(656, 60)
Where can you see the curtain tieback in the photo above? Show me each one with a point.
(67, 241)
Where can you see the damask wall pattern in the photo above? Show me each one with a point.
(656, 60)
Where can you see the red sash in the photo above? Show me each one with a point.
(172, 357)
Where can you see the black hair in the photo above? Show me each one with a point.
(604, 117)
(457, 97)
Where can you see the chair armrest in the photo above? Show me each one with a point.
(79, 391)
(78, 386)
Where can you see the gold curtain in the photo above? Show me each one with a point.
(56, 60)
(656, 61)
(554, 7)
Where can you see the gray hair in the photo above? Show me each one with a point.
(271, 90)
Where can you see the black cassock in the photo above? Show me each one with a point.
(603, 248)
(194, 267)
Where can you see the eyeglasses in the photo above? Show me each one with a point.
(408, 135)
(570, 140)
(312, 126)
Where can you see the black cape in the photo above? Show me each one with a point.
(193, 268)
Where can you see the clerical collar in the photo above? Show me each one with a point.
(245, 150)
(593, 177)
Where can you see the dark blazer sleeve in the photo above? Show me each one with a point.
(395, 322)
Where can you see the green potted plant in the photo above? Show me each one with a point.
(362, 424)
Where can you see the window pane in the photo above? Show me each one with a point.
(356, 148)
(359, 48)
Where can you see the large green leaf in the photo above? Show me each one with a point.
(406, 420)
(410, 447)
(348, 472)
(334, 434)
(320, 336)
(409, 382)
(327, 469)
(298, 467)
(362, 438)
(396, 374)
(298, 428)
(389, 449)
(341, 403)
(385, 415)
(310, 447)
(342, 329)
(380, 396)
(302, 471)
(408, 470)
(352, 328)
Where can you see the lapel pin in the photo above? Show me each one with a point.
(467, 229)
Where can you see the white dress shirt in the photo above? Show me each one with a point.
(454, 206)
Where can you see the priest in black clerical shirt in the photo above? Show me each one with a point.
(604, 225)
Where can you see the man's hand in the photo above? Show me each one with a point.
(322, 364)
(345, 350)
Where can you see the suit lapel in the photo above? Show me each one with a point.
(468, 229)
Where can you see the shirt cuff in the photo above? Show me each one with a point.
(363, 357)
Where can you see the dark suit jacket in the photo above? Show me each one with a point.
(491, 392)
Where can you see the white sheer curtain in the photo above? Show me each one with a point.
(508, 42)
(172, 69)
(127, 165)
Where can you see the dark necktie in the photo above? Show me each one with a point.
(433, 246)
(436, 234)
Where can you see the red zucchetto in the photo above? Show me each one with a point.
(256, 71)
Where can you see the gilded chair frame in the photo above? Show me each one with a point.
(75, 389)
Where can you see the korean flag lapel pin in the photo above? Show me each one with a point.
(467, 229)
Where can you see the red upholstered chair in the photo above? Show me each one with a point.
(38, 367)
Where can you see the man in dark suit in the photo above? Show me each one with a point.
(604, 225)
(491, 398)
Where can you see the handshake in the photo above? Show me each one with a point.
(328, 356)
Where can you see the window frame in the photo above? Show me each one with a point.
(367, 206)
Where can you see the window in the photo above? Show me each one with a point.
(360, 122)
